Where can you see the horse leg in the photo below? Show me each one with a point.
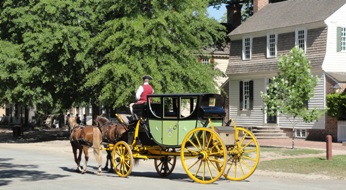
(98, 156)
(86, 156)
(76, 158)
(108, 158)
(79, 159)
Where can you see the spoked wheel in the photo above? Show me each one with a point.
(203, 155)
(122, 159)
(243, 157)
(165, 165)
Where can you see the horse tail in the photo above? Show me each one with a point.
(97, 140)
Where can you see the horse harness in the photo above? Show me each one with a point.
(79, 141)
(117, 130)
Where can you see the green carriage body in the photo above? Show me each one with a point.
(171, 116)
(189, 126)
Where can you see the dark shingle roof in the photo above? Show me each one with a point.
(289, 13)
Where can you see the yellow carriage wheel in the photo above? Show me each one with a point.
(165, 165)
(122, 159)
(203, 155)
(243, 157)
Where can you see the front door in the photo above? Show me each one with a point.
(271, 118)
(341, 131)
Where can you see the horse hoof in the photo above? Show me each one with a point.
(80, 168)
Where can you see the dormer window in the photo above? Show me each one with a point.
(272, 45)
(300, 37)
(247, 46)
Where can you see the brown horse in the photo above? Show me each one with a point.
(111, 133)
(81, 139)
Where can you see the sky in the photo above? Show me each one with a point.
(217, 14)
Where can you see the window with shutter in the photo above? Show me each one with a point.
(246, 95)
(241, 95)
(341, 39)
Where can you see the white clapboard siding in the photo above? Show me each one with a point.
(317, 101)
(255, 117)
(247, 117)
(335, 61)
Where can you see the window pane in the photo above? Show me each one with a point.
(301, 39)
(272, 45)
(343, 39)
(247, 49)
(246, 95)
(205, 61)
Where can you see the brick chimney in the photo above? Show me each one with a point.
(259, 4)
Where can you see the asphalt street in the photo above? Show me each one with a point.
(50, 165)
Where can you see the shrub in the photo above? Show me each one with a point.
(337, 106)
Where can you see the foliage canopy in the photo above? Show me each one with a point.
(70, 53)
(336, 104)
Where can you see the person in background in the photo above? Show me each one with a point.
(67, 118)
(84, 119)
(78, 119)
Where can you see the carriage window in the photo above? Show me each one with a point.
(155, 107)
(170, 105)
(188, 106)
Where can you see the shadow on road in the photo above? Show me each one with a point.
(6, 135)
(27, 172)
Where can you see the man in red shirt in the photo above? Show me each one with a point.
(142, 92)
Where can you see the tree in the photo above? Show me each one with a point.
(53, 38)
(158, 38)
(289, 92)
(247, 7)
(74, 52)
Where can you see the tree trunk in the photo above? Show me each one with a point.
(95, 111)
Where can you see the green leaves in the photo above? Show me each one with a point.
(159, 38)
(66, 53)
(337, 105)
(289, 91)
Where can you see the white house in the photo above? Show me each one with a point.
(318, 27)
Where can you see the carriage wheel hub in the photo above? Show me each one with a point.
(202, 155)
(120, 159)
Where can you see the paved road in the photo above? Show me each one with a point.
(49, 165)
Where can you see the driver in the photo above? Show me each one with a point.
(142, 92)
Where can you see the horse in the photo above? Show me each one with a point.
(81, 139)
(111, 133)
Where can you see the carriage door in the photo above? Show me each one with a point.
(170, 123)
(188, 116)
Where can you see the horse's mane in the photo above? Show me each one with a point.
(102, 120)
(72, 122)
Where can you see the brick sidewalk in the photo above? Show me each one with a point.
(299, 143)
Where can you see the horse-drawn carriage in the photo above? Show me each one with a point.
(189, 126)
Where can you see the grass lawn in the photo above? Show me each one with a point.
(311, 165)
